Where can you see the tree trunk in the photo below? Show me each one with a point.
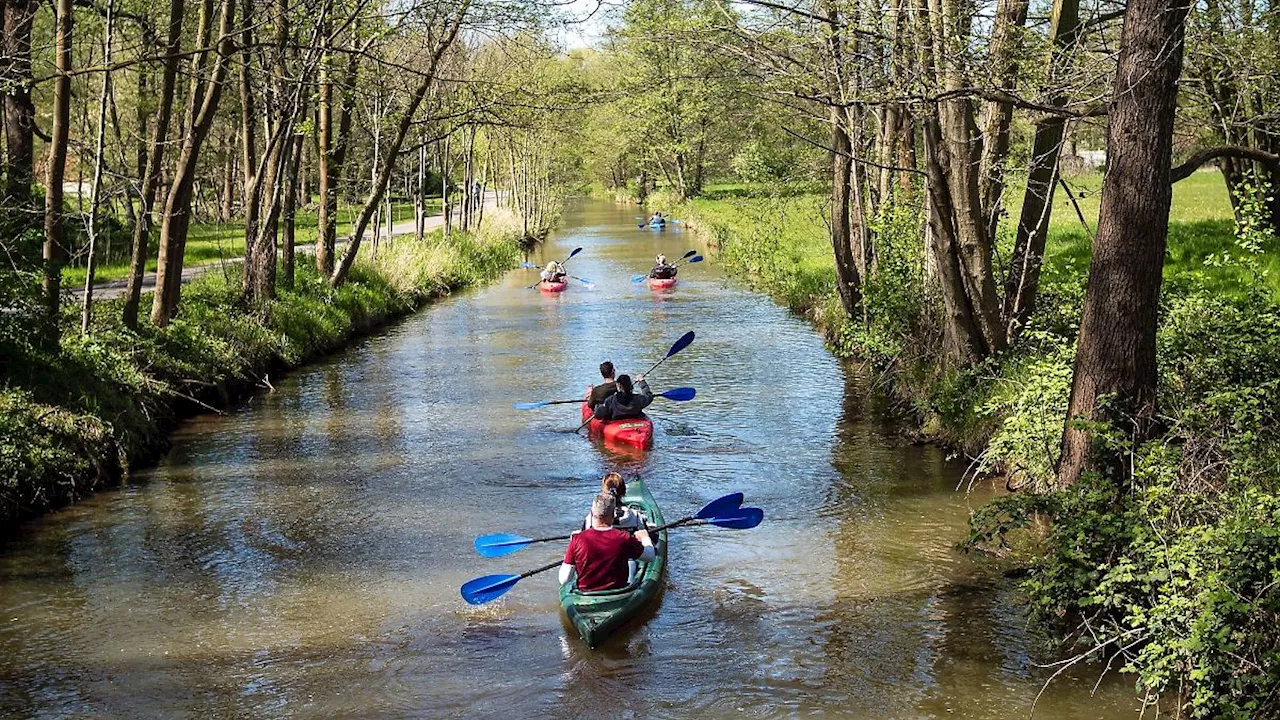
(151, 173)
(1023, 281)
(848, 282)
(226, 206)
(289, 212)
(99, 147)
(331, 154)
(201, 108)
(19, 114)
(959, 240)
(997, 115)
(393, 152)
(1114, 379)
(55, 251)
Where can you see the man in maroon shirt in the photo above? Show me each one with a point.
(600, 553)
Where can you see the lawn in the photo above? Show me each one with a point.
(212, 242)
(782, 238)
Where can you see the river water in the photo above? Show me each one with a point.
(301, 556)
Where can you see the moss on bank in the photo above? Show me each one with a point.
(78, 417)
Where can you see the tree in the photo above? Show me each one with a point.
(1114, 378)
(55, 251)
(449, 25)
(206, 90)
(19, 112)
(154, 159)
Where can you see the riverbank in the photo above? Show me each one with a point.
(81, 417)
(1176, 567)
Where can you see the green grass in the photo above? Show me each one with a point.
(72, 417)
(781, 241)
(212, 242)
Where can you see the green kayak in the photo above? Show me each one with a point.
(598, 614)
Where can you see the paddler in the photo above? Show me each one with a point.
(662, 270)
(553, 272)
(657, 219)
(624, 517)
(626, 402)
(601, 553)
(596, 394)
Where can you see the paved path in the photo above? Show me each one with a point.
(111, 289)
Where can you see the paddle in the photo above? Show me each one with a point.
(680, 394)
(500, 544)
(491, 587)
(691, 253)
(685, 341)
(528, 265)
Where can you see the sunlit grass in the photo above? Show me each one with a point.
(213, 242)
(777, 236)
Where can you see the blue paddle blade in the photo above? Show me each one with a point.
(575, 252)
(684, 342)
(490, 587)
(679, 394)
(529, 405)
(740, 519)
(638, 278)
(499, 544)
(694, 259)
(690, 253)
(720, 506)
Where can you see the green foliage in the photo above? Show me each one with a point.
(758, 162)
(72, 417)
(1174, 574)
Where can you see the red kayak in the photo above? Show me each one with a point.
(636, 432)
(661, 283)
(548, 286)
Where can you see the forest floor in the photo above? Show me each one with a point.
(80, 416)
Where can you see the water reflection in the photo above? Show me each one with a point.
(301, 556)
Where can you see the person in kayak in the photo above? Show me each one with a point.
(600, 555)
(662, 269)
(553, 272)
(597, 394)
(657, 219)
(627, 402)
(624, 517)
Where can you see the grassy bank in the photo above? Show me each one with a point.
(76, 418)
(1174, 575)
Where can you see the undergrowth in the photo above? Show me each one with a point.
(1171, 575)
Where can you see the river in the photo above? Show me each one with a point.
(301, 555)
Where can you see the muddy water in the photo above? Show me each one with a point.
(301, 556)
